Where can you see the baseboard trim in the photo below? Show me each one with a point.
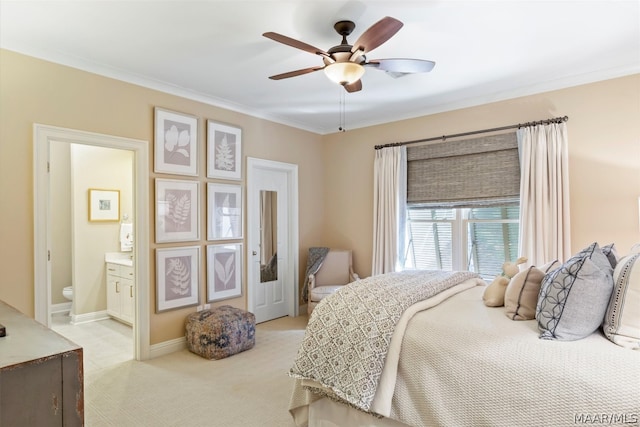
(167, 347)
(63, 307)
(77, 319)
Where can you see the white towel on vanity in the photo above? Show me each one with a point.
(126, 237)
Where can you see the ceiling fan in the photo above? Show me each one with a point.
(345, 64)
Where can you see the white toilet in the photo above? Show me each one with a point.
(67, 292)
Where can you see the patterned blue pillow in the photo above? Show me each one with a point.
(574, 298)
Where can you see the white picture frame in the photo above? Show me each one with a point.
(177, 277)
(224, 211)
(177, 210)
(175, 143)
(224, 151)
(224, 271)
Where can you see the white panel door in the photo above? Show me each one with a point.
(270, 299)
(272, 239)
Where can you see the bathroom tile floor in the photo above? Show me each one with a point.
(105, 343)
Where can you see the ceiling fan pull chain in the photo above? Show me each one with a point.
(342, 126)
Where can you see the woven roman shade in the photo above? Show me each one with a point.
(467, 173)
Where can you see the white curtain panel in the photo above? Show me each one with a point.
(389, 209)
(544, 193)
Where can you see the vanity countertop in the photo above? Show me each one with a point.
(122, 258)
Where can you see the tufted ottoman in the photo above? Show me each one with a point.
(220, 332)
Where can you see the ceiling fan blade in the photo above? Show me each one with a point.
(295, 43)
(295, 73)
(377, 34)
(402, 65)
(354, 87)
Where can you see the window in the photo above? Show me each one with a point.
(477, 239)
(463, 204)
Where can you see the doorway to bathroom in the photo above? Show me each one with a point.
(91, 212)
(92, 278)
(113, 168)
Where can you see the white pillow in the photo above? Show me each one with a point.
(622, 319)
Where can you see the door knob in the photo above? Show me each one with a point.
(254, 253)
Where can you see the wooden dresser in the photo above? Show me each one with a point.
(41, 376)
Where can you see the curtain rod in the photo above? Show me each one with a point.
(444, 137)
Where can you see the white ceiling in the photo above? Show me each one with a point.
(214, 51)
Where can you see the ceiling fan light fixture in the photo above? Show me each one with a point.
(344, 73)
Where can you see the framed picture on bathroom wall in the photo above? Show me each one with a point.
(176, 143)
(177, 210)
(224, 151)
(224, 211)
(177, 277)
(224, 271)
(104, 205)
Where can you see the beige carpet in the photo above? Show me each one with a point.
(182, 389)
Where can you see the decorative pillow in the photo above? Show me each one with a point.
(594, 252)
(622, 320)
(521, 296)
(574, 298)
(612, 255)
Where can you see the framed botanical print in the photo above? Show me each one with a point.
(224, 271)
(224, 151)
(177, 277)
(176, 143)
(177, 210)
(224, 211)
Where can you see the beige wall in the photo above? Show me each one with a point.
(335, 171)
(604, 161)
(35, 91)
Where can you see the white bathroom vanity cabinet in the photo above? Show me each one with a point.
(121, 291)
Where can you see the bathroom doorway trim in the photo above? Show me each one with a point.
(43, 136)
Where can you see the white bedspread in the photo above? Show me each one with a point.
(464, 364)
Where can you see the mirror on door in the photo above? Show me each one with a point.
(268, 236)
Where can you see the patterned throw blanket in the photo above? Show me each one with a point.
(346, 341)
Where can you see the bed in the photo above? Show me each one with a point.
(452, 361)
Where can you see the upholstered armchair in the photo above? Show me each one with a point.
(335, 271)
